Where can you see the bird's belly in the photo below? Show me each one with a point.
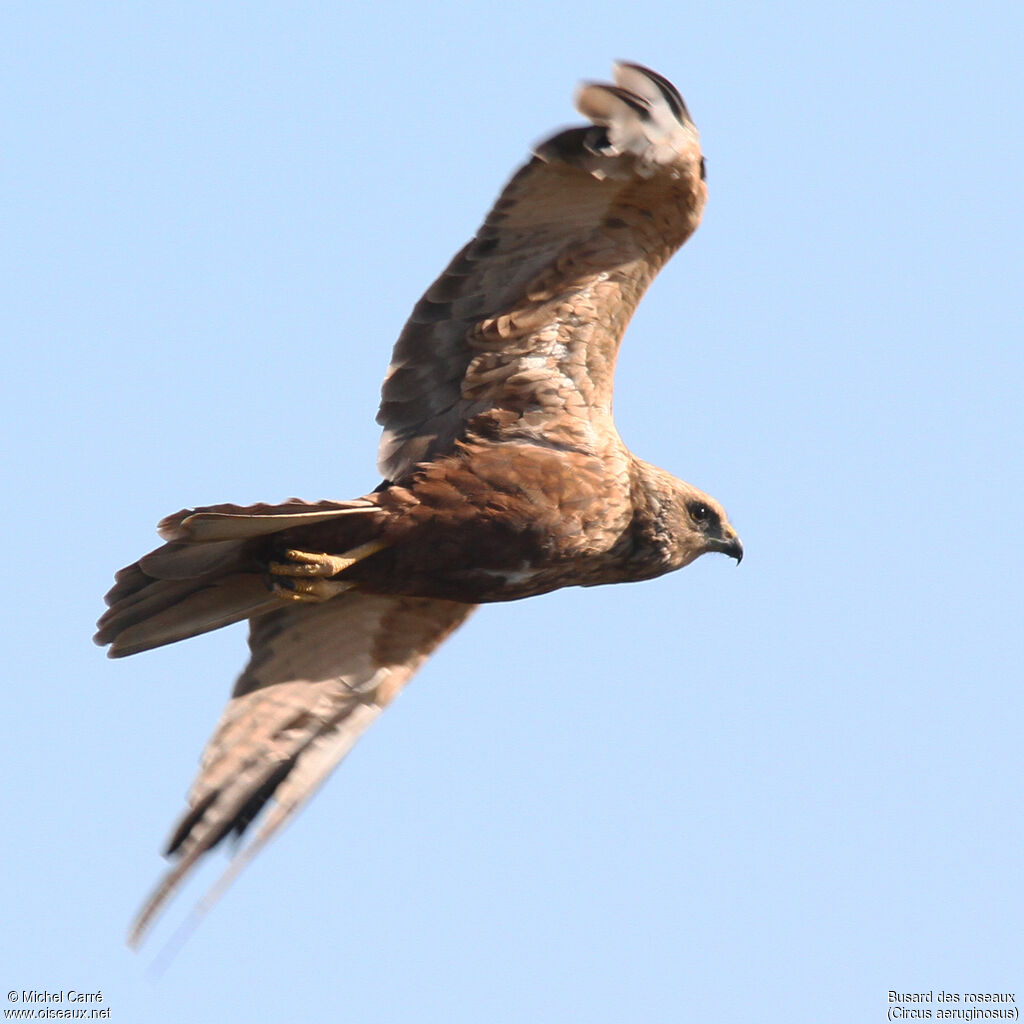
(488, 558)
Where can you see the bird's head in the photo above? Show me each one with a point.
(680, 523)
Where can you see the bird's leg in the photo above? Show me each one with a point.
(306, 575)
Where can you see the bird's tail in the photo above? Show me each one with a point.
(208, 574)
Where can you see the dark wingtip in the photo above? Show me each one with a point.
(670, 93)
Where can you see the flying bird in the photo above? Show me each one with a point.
(504, 476)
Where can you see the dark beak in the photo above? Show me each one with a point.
(729, 545)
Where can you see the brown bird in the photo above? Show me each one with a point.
(504, 476)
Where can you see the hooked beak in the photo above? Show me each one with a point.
(729, 544)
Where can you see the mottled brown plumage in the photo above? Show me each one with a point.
(504, 475)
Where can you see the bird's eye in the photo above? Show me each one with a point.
(703, 169)
(700, 512)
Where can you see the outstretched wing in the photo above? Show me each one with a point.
(525, 322)
(318, 675)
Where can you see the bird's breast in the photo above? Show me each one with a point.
(499, 522)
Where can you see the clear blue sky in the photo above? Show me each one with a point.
(769, 793)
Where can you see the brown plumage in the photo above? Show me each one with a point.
(504, 475)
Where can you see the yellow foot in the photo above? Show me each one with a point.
(308, 575)
(321, 565)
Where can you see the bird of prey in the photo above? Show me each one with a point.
(504, 476)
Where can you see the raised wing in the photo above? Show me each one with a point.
(318, 675)
(520, 333)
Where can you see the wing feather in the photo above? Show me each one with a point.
(527, 318)
(317, 677)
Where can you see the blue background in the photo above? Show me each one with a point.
(770, 793)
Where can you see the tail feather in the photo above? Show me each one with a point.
(153, 597)
(209, 574)
(238, 522)
(178, 610)
(182, 560)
